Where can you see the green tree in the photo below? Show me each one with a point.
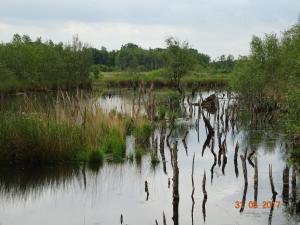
(179, 60)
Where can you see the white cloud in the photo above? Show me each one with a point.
(214, 27)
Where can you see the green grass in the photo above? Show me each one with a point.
(26, 138)
(35, 133)
(142, 133)
(96, 156)
(160, 79)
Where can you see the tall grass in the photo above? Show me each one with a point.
(142, 133)
(65, 129)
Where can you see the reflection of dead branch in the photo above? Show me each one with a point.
(294, 189)
(205, 196)
(249, 158)
(193, 189)
(243, 158)
(286, 181)
(274, 193)
(175, 185)
(236, 169)
(255, 179)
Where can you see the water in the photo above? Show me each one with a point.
(81, 195)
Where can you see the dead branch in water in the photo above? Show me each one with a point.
(243, 158)
(274, 193)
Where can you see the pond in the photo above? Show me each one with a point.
(137, 192)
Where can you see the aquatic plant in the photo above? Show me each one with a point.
(65, 129)
(154, 157)
(142, 133)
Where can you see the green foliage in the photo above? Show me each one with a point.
(154, 157)
(179, 60)
(223, 64)
(272, 71)
(129, 125)
(114, 143)
(25, 138)
(142, 133)
(43, 65)
(95, 156)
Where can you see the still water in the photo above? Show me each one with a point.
(114, 193)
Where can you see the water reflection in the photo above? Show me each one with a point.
(137, 193)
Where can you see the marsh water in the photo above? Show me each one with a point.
(114, 193)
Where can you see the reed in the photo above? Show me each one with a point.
(68, 128)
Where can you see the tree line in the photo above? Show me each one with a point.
(38, 64)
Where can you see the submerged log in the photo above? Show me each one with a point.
(210, 104)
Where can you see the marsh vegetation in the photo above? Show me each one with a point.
(186, 139)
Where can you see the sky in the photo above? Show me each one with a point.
(214, 27)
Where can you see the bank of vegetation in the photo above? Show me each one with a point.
(269, 78)
(36, 65)
(64, 129)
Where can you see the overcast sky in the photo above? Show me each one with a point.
(214, 27)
